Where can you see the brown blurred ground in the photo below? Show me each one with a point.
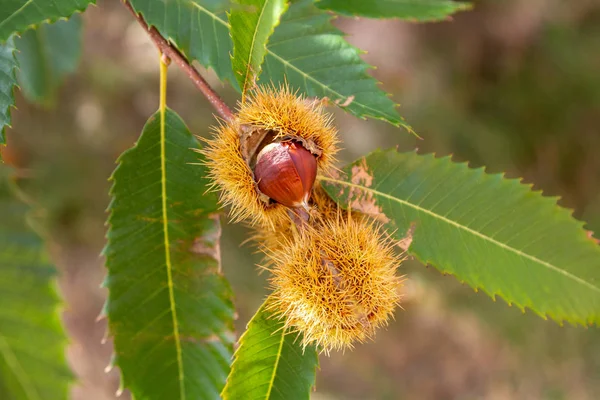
(513, 85)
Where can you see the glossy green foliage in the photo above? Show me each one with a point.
(305, 50)
(32, 342)
(493, 233)
(169, 307)
(270, 363)
(8, 81)
(16, 16)
(252, 23)
(198, 28)
(46, 55)
(411, 10)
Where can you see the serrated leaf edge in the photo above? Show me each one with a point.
(18, 32)
(460, 6)
(399, 120)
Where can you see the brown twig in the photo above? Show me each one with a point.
(171, 52)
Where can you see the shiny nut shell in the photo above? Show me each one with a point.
(286, 172)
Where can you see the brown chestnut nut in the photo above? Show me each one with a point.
(286, 172)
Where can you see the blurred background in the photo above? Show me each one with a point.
(513, 85)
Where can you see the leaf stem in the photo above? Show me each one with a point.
(164, 64)
(174, 54)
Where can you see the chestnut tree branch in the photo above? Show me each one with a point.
(172, 53)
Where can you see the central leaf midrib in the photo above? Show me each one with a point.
(277, 358)
(469, 230)
(248, 63)
(168, 264)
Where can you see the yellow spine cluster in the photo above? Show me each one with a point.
(333, 272)
(335, 282)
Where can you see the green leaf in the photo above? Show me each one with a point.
(46, 56)
(311, 54)
(306, 51)
(198, 27)
(16, 16)
(270, 364)
(32, 341)
(490, 232)
(8, 80)
(411, 10)
(252, 22)
(169, 307)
